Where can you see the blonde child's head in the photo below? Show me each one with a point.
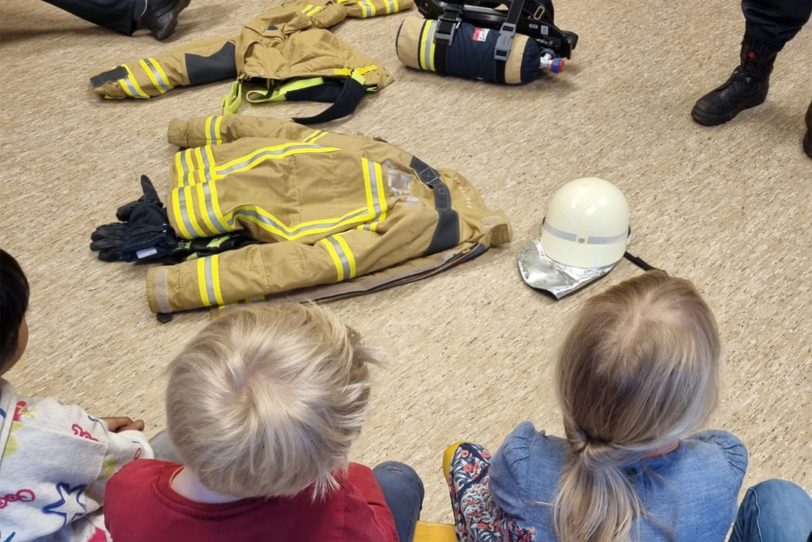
(638, 371)
(267, 402)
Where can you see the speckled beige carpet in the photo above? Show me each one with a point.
(472, 349)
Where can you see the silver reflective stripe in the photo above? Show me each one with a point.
(213, 135)
(367, 9)
(215, 221)
(592, 240)
(184, 166)
(265, 154)
(373, 181)
(207, 266)
(131, 87)
(161, 81)
(206, 165)
(162, 290)
(391, 4)
(429, 42)
(184, 212)
(345, 262)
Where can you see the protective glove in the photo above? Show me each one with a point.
(144, 235)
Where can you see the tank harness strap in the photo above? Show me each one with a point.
(444, 35)
(447, 233)
(505, 40)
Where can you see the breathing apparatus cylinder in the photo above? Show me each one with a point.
(471, 53)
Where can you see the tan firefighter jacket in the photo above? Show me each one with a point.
(337, 214)
(286, 53)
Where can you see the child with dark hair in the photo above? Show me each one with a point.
(55, 459)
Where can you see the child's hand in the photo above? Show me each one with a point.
(118, 424)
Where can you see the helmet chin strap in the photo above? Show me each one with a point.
(639, 262)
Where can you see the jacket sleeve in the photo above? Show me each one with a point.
(362, 9)
(363, 479)
(508, 474)
(194, 64)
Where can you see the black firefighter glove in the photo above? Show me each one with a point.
(143, 235)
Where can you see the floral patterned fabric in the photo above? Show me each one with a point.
(477, 518)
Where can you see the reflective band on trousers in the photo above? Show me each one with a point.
(199, 162)
(341, 255)
(367, 8)
(208, 280)
(130, 85)
(591, 240)
(425, 53)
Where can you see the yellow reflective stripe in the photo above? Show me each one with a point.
(175, 197)
(276, 152)
(311, 10)
(380, 199)
(217, 126)
(348, 71)
(188, 168)
(368, 187)
(336, 260)
(190, 209)
(132, 80)
(315, 136)
(197, 157)
(201, 197)
(215, 278)
(152, 78)
(179, 168)
(162, 73)
(395, 5)
(347, 254)
(201, 282)
(321, 135)
(227, 226)
(421, 58)
(367, 8)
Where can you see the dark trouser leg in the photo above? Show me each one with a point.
(117, 15)
(403, 491)
(774, 22)
(773, 511)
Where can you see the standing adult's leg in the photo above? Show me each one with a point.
(117, 15)
(774, 22)
(774, 511)
(403, 491)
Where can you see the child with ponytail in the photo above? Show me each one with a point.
(637, 373)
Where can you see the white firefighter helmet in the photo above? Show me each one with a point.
(587, 224)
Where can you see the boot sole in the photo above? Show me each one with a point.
(709, 119)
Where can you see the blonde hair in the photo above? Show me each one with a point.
(637, 371)
(267, 402)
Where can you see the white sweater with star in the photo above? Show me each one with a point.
(55, 463)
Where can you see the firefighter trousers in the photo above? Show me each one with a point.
(328, 208)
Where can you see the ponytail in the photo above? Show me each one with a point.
(637, 372)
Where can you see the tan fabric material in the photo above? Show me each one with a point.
(328, 207)
(408, 41)
(286, 42)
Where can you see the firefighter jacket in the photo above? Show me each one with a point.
(337, 215)
(285, 54)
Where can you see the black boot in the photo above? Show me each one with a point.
(808, 138)
(161, 16)
(747, 87)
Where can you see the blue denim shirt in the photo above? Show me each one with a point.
(690, 492)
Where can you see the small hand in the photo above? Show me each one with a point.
(117, 424)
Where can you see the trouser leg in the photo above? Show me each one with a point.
(117, 15)
(163, 448)
(774, 22)
(404, 492)
(773, 511)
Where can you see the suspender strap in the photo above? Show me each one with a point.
(447, 233)
(505, 40)
(346, 103)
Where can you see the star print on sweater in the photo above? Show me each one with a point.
(69, 505)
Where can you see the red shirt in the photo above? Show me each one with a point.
(140, 505)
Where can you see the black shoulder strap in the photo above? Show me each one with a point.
(346, 103)
(447, 233)
(444, 35)
(505, 40)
